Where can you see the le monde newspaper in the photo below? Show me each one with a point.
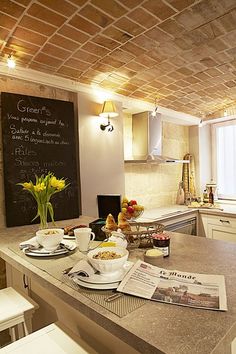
(175, 287)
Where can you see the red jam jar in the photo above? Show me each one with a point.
(162, 242)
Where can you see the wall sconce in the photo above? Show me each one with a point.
(11, 62)
(154, 112)
(108, 111)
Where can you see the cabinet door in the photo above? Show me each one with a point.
(221, 233)
(17, 280)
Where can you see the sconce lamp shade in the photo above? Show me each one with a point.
(108, 110)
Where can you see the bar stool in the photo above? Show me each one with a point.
(52, 339)
(16, 311)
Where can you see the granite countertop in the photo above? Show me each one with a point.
(154, 327)
(173, 211)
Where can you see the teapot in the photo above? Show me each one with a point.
(118, 238)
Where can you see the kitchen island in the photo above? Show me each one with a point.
(153, 327)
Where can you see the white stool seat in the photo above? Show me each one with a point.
(53, 339)
(15, 310)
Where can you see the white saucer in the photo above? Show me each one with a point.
(41, 252)
(67, 237)
(103, 281)
(96, 286)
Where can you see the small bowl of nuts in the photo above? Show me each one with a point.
(108, 259)
(50, 238)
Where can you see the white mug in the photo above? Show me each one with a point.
(83, 236)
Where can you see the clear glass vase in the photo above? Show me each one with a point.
(43, 215)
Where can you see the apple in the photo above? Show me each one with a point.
(132, 202)
(130, 209)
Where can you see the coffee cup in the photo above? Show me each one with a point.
(83, 236)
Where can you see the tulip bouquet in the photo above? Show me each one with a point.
(42, 190)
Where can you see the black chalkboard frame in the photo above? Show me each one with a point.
(20, 207)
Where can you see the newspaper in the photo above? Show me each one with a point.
(175, 287)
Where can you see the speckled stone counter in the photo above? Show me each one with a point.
(154, 327)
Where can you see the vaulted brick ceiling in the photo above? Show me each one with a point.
(181, 51)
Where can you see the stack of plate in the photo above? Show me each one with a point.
(64, 248)
(103, 281)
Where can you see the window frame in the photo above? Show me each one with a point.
(214, 126)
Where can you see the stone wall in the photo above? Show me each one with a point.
(156, 185)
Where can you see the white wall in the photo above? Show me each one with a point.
(101, 154)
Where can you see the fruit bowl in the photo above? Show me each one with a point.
(134, 216)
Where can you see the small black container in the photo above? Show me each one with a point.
(96, 226)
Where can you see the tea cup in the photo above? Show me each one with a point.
(83, 236)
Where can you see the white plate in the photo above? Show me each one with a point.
(67, 237)
(96, 286)
(41, 252)
(99, 279)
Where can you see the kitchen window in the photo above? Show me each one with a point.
(224, 158)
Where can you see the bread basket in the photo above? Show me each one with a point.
(140, 234)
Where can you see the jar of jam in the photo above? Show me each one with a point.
(162, 242)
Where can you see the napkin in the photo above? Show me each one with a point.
(32, 243)
(82, 268)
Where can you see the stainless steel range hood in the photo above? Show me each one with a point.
(147, 140)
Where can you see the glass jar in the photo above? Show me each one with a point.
(162, 242)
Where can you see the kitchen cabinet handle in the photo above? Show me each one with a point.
(225, 221)
(25, 282)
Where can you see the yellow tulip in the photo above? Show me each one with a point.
(61, 184)
(54, 182)
(39, 187)
(27, 185)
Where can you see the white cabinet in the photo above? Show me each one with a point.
(219, 227)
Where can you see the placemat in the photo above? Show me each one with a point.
(55, 266)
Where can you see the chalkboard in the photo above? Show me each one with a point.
(38, 137)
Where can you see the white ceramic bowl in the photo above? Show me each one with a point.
(50, 238)
(109, 265)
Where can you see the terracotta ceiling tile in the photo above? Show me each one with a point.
(121, 55)
(83, 25)
(213, 72)
(137, 81)
(95, 49)
(126, 72)
(103, 67)
(129, 87)
(11, 8)
(144, 42)
(132, 3)
(172, 27)
(128, 26)
(135, 66)
(7, 21)
(182, 83)
(32, 37)
(181, 43)
(3, 34)
(143, 17)
(133, 49)
(92, 74)
(146, 60)
(75, 73)
(112, 62)
(111, 7)
(202, 76)
(189, 19)
(208, 62)
(105, 42)
(37, 26)
(54, 51)
(19, 45)
(192, 79)
(166, 79)
(157, 55)
(159, 8)
(48, 60)
(108, 84)
(116, 34)
(42, 13)
(146, 75)
(96, 16)
(123, 92)
(180, 4)
(185, 71)
(77, 64)
(156, 84)
(173, 87)
(139, 94)
(63, 42)
(41, 67)
(64, 7)
(117, 78)
(85, 56)
(23, 2)
(78, 2)
(158, 35)
(73, 33)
